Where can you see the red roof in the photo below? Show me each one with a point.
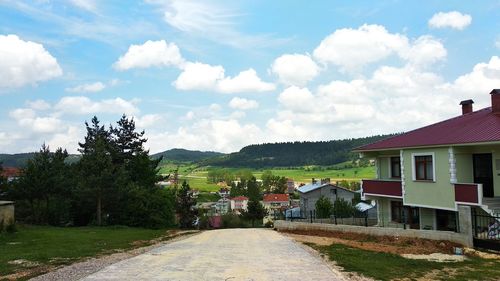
(276, 197)
(239, 198)
(475, 127)
(11, 172)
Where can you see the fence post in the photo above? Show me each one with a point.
(335, 218)
(311, 215)
(366, 219)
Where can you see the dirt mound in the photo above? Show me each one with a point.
(386, 244)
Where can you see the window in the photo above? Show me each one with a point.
(424, 169)
(397, 211)
(395, 167)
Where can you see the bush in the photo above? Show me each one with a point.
(231, 220)
(11, 226)
(324, 208)
(269, 224)
(343, 208)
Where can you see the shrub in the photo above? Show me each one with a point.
(11, 226)
(231, 220)
(324, 207)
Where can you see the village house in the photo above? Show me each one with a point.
(310, 193)
(11, 173)
(239, 204)
(224, 192)
(276, 203)
(442, 176)
(290, 186)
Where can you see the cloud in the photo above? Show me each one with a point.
(38, 105)
(354, 48)
(67, 139)
(151, 53)
(245, 81)
(454, 19)
(26, 117)
(295, 69)
(148, 120)
(25, 63)
(84, 105)
(243, 104)
(425, 51)
(88, 5)
(200, 76)
(87, 88)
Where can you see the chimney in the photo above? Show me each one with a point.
(313, 181)
(466, 106)
(495, 101)
(325, 181)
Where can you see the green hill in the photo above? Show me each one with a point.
(184, 155)
(293, 154)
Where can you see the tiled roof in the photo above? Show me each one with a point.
(276, 197)
(475, 127)
(239, 198)
(11, 172)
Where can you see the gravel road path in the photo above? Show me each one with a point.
(228, 254)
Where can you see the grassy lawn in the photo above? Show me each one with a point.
(201, 184)
(48, 246)
(207, 197)
(384, 266)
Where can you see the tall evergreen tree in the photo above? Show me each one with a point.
(185, 206)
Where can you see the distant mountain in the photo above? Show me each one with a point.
(15, 160)
(292, 154)
(184, 155)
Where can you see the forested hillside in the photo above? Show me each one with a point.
(183, 155)
(293, 153)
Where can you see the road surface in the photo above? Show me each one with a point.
(228, 254)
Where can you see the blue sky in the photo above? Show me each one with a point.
(219, 75)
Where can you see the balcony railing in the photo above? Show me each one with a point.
(385, 188)
(469, 193)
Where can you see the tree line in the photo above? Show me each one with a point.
(288, 154)
(113, 183)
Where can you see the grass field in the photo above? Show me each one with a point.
(384, 266)
(45, 246)
(197, 177)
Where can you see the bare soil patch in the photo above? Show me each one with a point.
(386, 244)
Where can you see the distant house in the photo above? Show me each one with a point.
(222, 206)
(239, 204)
(11, 173)
(310, 193)
(276, 203)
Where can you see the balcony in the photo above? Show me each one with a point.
(468, 193)
(384, 188)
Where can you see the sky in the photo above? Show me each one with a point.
(220, 75)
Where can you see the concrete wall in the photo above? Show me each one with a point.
(6, 212)
(377, 231)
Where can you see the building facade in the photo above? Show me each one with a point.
(310, 193)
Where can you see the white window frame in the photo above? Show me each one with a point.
(414, 169)
(389, 165)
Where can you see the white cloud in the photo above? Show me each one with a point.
(148, 120)
(87, 88)
(151, 53)
(295, 69)
(88, 5)
(26, 117)
(297, 99)
(353, 48)
(243, 104)
(84, 105)
(25, 62)
(67, 139)
(425, 51)
(497, 43)
(201, 76)
(38, 105)
(454, 19)
(245, 81)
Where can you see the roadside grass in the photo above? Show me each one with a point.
(385, 266)
(46, 246)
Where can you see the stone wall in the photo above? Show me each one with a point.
(460, 238)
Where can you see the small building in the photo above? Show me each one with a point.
(11, 173)
(310, 193)
(276, 203)
(6, 212)
(224, 192)
(239, 204)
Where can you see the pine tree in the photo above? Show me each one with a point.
(185, 206)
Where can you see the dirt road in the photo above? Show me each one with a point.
(228, 254)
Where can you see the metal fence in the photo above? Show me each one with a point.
(357, 218)
(486, 230)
